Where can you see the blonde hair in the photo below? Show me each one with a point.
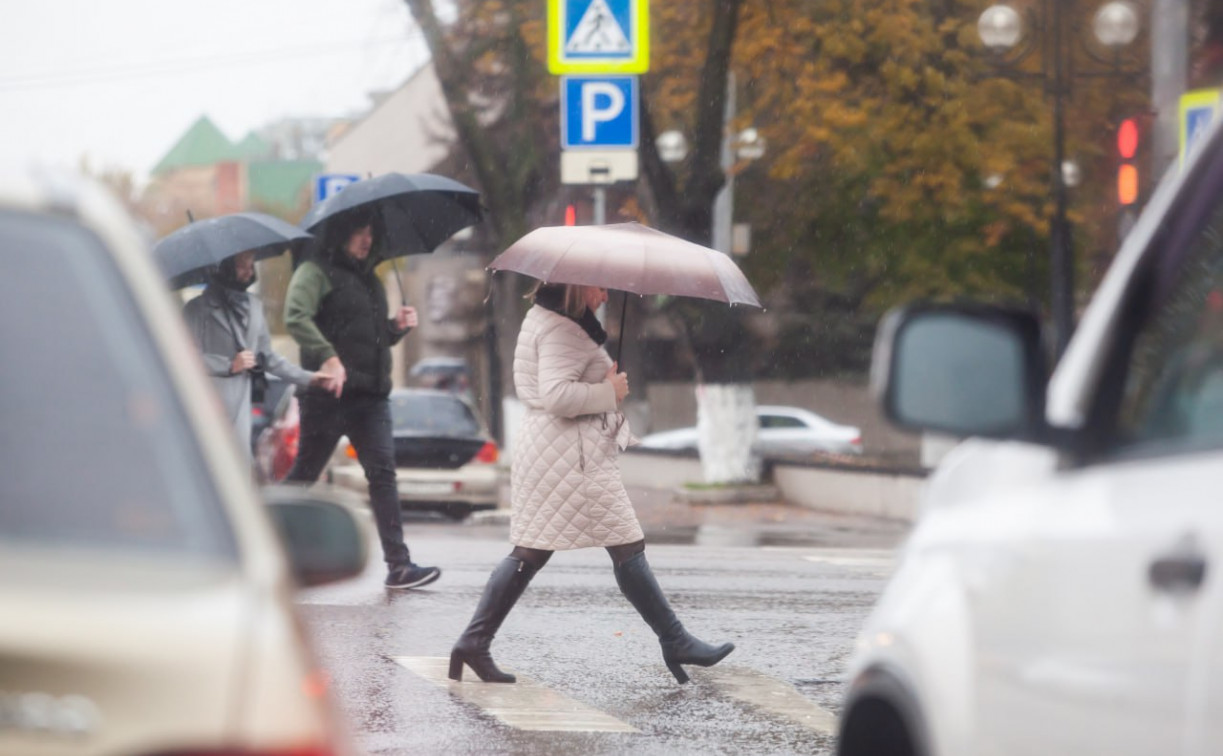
(572, 303)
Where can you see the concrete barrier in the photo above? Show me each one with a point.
(659, 469)
(869, 492)
(858, 488)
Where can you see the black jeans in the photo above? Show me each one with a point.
(366, 420)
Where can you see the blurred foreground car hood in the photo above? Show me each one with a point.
(144, 656)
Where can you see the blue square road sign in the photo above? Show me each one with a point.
(598, 112)
(328, 184)
(598, 36)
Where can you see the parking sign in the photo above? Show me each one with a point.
(331, 183)
(598, 112)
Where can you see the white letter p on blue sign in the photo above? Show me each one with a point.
(602, 101)
(598, 112)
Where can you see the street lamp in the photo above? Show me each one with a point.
(1004, 30)
(749, 144)
(672, 146)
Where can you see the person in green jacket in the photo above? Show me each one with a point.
(337, 312)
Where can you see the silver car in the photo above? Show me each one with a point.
(145, 584)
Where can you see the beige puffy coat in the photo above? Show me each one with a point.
(565, 479)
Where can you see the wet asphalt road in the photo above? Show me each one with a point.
(789, 587)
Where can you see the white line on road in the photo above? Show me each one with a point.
(842, 557)
(524, 705)
(771, 696)
(850, 561)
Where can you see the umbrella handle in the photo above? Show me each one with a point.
(623, 312)
(403, 297)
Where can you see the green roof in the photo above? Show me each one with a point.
(203, 144)
(280, 184)
(253, 147)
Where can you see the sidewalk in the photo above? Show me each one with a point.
(666, 518)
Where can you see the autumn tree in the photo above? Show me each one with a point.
(899, 165)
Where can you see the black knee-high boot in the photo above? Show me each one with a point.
(505, 586)
(638, 585)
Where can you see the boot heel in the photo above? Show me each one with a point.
(456, 667)
(681, 676)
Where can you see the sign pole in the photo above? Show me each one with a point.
(600, 202)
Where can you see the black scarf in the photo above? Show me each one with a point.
(552, 297)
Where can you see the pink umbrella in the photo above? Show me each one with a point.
(627, 257)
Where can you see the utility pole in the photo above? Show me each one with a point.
(1169, 74)
(724, 203)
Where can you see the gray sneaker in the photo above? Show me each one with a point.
(411, 576)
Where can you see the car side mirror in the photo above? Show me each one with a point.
(321, 537)
(961, 370)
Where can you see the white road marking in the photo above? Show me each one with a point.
(875, 558)
(524, 705)
(850, 561)
(771, 696)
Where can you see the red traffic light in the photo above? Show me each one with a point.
(1127, 139)
(1128, 181)
(571, 215)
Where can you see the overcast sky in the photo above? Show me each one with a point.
(120, 80)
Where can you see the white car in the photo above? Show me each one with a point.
(782, 430)
(146, 596)
(1062, 590)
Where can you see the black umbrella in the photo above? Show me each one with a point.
(418, 211)
(187, 255)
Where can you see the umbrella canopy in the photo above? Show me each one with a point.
(186, 255)
(418, 211)
(627, 257)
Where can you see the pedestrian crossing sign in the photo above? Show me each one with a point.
(1197, 108)
(598, 36)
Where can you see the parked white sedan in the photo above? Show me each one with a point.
(782, 430)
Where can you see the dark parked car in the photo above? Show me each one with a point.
(446, 462)
(446, 373)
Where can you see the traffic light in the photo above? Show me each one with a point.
(1128, 139)
(571, 215)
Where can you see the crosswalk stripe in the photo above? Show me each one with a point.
(525, 705)
(771, 696)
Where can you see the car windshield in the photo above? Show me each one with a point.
(432, 414)
(112, 466)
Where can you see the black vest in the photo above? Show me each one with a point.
(353, 317)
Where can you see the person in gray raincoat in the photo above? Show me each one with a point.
(232, 333)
